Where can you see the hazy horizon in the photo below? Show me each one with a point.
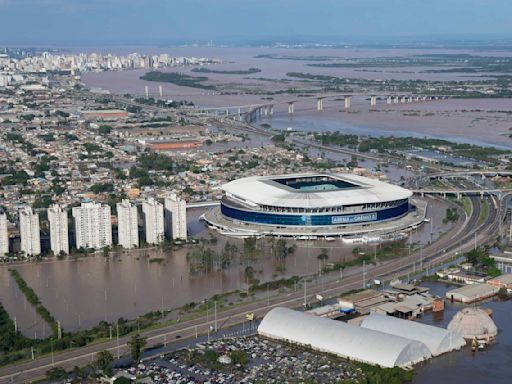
(160, 22)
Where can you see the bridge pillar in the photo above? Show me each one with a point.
(444, 195)
(226, 112)
(265, 110)
(410, 99)
(373, 101)
(417, 98)
(160, 91)
(481, 195)
(397, 99)
(348, 101)
(404, 99)
(459, 195)
(146, 91)
(424, 98)
(319, 104)
(271, 110)
(290, 108)
(422, 194)
(389, 100)
(239, 111)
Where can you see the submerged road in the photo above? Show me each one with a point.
(462, 238)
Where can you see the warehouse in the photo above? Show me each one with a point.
(438, 340)
(472, 292)
(341, 339)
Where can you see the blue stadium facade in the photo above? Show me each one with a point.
(229, 210)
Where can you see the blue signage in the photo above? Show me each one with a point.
(348, 219)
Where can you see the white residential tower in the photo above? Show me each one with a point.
(93, 227)
(153, 221)
(59, 240)
(127, 224)
(29, 232)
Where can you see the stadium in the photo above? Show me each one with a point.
(327, 204)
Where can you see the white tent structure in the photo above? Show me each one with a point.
(438, 340)
(344, 340)
(473, 322)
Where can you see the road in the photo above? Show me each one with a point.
(459, 240)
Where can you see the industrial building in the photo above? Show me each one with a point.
(438, 340)
(341, 339)
(472, 292)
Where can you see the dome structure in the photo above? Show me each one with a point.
(473, 323)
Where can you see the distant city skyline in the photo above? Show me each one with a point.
(121, 22)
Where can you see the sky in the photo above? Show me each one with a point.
(154, 22)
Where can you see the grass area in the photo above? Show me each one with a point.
(178, 79)
(484, 211)
(227, 72)
(466, 205)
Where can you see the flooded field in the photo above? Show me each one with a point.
(81, 292)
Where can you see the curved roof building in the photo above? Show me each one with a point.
(438, 340)
(344, 340)
(313, 199)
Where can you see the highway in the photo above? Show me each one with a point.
(459, 239)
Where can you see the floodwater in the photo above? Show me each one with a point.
(490, 365)
(475, 121)
(81, 292)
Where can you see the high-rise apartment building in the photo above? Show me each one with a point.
(4, 234)
(93, 226)
(153, 221)
(127, 224)
(176, 217)
(59, 240)
(29, 232)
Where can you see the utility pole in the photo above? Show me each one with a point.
(215, 315)
(364, 274)
(421, 258)
(51, 345)
(305, 302)
(117, 337)
(431, 232)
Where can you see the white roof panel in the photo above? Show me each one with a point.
(263, 191)
(438, 340)
(342, 339)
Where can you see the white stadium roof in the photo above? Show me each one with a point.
(262, 190)
(438, 340)
(344, 340)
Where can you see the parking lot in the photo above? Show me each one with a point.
(261, 361)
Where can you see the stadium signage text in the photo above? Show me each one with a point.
(354, 218)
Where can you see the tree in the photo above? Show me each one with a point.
(103, 363)
(136, 344)
(105, 129)
(56, 373)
